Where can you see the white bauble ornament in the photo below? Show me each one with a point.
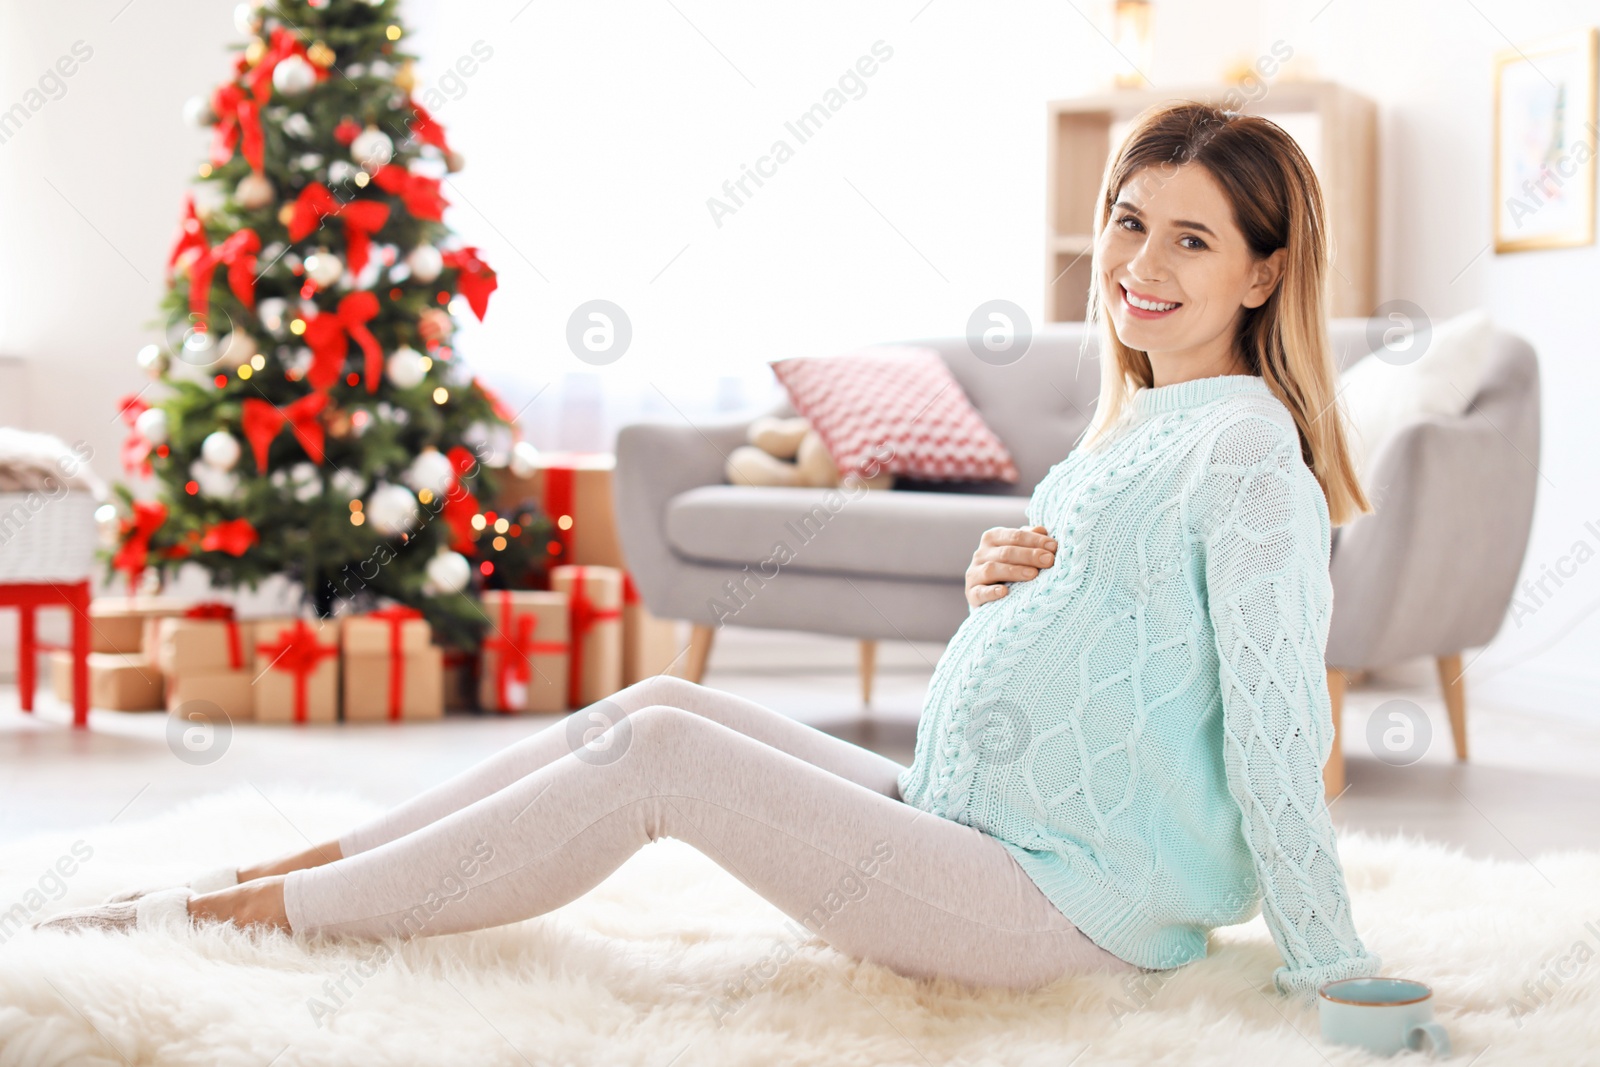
(308, 160)
(448, 572)
(214, 484)
(293, 76)
(152, 425)
(391, 509)
(297, 126)
(306, 480)
(347, 483)
(425, 262)
(324, 268)
(197, 112)
(272, 312)
(524, 459)
(106, 525)
(253, 191)
(152, 360)
(404, 368)
(220, 450)
(236, 349)
(431, 471)
(340, 172)
(244, 18)
(372, 148)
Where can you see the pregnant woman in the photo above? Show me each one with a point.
(1120, 748)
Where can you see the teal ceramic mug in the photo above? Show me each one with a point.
(1382, 1015)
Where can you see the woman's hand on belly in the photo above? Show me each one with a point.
(1007, 554)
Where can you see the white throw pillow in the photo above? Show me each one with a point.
(1380, 398)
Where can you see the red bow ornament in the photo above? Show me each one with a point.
(426, 128)
(263, 420)
(362, 219)
(460, 505)
(238, 254)
(132, 557)
(282, 44)
(238, 120)
(191, 236)
(235, 537)
(419, 194)
(298, 652)
(328, 336)
(135, 447)
(475, 280)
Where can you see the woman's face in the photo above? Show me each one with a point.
(1171, 243)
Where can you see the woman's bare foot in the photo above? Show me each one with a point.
(315, 856)
(258, 902)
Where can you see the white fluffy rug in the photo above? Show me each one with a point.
(673, 962)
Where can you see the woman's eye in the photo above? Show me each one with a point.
(1196, 240)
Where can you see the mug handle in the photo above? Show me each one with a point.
(1436, 1037)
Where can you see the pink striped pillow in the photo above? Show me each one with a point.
(901, 396)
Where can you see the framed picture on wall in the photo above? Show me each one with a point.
(1544, 143)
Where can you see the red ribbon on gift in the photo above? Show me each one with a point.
(514, 641)
(297, 651)
(328, 336)
(585, 614)
(262, 420)
(362, 219)
(238, 253)
(419, 194)
(218, 611)
(148, 515)
(397, 617)
(558, 493)
(475, 279)
(630, 592)
(238, 118)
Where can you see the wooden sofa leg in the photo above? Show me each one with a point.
(1454, 685)
(694, 666)
(869, 665)
(1333, 773)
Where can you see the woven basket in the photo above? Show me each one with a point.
(47, 539)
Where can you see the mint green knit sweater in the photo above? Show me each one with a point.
(1144, 724)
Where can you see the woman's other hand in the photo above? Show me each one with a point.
(1007, 554)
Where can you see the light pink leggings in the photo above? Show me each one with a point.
(811, 822)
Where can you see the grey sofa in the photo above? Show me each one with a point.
(1430, 573)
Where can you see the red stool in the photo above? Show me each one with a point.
(27, 597)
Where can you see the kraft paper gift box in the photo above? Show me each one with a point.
(117, 623)
(524, 658)
(206, 639)
(649, 645)
(297, 670)
(232, 693)
(574, 487)
(595, 668)
(392, 668)
(117, 681)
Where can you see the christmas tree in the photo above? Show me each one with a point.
(315, 421)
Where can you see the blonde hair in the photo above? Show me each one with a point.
(1277, 203)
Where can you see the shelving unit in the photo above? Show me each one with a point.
(1336, 127)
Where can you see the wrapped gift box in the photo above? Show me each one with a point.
(524, 660)
(117, 623)
(574, 490)
(118, 681)
(392, 668)
(297, 670)
(595, 668)
(230, 692)
(206, 639)
(649, 645)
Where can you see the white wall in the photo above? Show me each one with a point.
(595, 134)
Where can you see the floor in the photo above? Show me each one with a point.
(1532, 785)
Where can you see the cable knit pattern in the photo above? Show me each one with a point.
(1144, 724)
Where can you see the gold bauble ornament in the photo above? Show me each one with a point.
(255, 50)
(405, 78)
(320, 54)
(337, 421)
(286, 214)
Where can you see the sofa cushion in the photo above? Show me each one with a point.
(864, 531)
